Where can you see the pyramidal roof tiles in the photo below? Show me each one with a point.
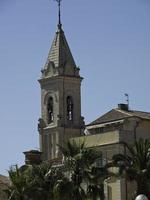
(60, 53)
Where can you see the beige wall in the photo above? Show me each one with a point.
(143, 130)
(139, 127)
(99, 139)
(51, 137)
(114, 189)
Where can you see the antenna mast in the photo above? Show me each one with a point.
(127, 98)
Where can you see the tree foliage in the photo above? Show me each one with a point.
(135, 165)
(77, 179)
(86, 178)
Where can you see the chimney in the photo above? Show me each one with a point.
(33, 157)
(123, 106)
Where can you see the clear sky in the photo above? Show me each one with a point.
(110, 41)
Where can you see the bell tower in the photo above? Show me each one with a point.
(60, 97)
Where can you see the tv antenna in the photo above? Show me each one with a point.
(127, 98)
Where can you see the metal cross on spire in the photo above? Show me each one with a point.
(59, 14)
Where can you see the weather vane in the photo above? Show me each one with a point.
(59, 13)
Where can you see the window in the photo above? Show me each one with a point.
(99, 130)
(69, 108)
(50, 113)
(101, 161)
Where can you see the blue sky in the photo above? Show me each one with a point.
(110, 41)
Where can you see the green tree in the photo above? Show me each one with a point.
(19, 188)
(41, 179)
(86, 180)
(63, 189)
(95, 189)
(135, 165)
(33, 182)
(77, 179)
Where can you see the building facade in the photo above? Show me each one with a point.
(108, 133)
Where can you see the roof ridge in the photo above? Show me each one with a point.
(140, 111)
(124, 112)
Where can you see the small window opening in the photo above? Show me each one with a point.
(50, 110)
(69, 108)
(99, 130)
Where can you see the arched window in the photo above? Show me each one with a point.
(50, 114)
(69, 108)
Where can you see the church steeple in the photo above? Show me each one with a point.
(60, 97)
(60, 60)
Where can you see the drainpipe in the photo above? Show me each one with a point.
(126, 182)
(135, 129)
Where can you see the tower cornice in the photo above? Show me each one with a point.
(56, 78)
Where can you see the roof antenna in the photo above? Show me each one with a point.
(127, 98)
(59, 14)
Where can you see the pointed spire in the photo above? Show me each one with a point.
(60, 58)
(60, 53)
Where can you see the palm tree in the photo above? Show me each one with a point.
(78, 179)
(135, 165)
(33, 182)
(86, 179)
(63, 189)
(39, 182)
(95, 189)
(19, 188)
